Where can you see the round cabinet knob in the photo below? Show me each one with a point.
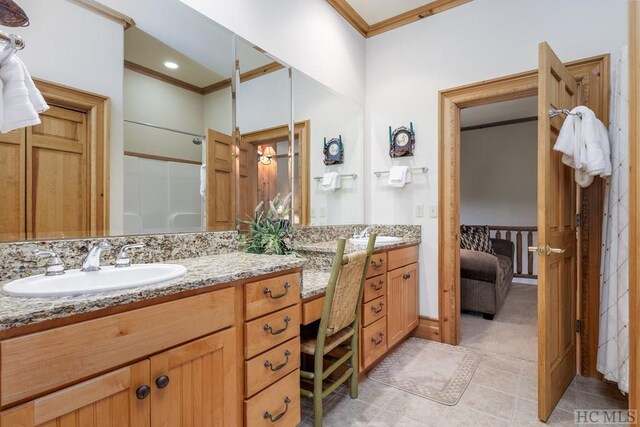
(143, 392)
(162, 381)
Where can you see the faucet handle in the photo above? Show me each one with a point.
(123, 259)
(104, 244)
(55, 266)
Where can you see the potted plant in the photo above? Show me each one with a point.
(270, 230)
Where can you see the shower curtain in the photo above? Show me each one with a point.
(613, 340)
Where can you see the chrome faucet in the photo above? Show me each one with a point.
(92, 260)
(123, 259)
(364, 233)
(55, 266)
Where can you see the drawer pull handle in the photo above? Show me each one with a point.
(268, 416)
(376, 288)
(381, 305)
(268, 328)
(162, 381)
(143, 392)
(373, 340)
(377, 264)
(406, 276)
(269, 365)
(267, 291)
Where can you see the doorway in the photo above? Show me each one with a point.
(591, 89)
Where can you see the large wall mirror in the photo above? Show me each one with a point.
(172, 125)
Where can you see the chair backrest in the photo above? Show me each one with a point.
(344, 293)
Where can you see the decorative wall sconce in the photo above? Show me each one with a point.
(333, 151)
(402, 141)
(265, 154)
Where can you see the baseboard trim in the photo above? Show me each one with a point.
(429, 329)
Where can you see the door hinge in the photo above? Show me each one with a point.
(579, 326)
(579, 220)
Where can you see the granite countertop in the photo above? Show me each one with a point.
(330, 246)
(201, 272)
(314, 282)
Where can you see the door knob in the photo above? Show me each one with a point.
(551, 250)
(538, 249)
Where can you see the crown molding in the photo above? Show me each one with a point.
(429, 9)
(106, 12)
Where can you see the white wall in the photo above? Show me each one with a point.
(498, 173)
(406, 68)
(62, 42)
(309, 35)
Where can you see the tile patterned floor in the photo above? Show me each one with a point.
(503, 392)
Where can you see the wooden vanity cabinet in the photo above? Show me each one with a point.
(402, 300)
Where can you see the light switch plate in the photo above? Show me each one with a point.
(322, 212)
(419, 211)
(433, 211)
(313, 212)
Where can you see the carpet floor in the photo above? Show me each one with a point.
(514, 330)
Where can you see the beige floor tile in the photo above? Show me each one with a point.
(416, 408)
(344, 412)
(391, 419)
(503, 363)
(503, 381)
(489, 401)
(374, 393)
(569, 401)
(526, 414)
(528, 389)
(595, 386)
(592, 401)
(461, 416)
(529, 369)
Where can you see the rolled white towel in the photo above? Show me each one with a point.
(399, 176)
(330, 181)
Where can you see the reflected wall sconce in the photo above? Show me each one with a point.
(266, 154)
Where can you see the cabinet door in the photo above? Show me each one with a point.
(108, 400)
(396, 306)
(410, 298)
(195, 384)
(12, 190)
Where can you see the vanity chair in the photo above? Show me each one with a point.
(337, 338)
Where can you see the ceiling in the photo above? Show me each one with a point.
(374, 11)
(499, 112)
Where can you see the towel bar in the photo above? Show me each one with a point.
(422, 169)
(342, 175)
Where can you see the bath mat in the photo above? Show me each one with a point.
(438, 372)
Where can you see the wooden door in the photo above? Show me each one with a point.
(247, 174)
(410, 298)
(199, 381)
(557, 88)
(221, 188)
(57, 183)
(396, 316)
(109, 400)
(12, 190)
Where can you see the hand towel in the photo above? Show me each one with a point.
(330, 181)
(21, 100)
(399, 176)
(203, 180)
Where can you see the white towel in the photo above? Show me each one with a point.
(21, 100)
(330, 181)
(203, 180)
(584, 144)
(399, 176)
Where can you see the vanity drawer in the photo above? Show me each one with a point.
(266, 296)
(282, 400)
(378, 264)
(374, 310)
(281, 361)
(36, 363)
(374, 287)
(401, 257)
(268, 331)
(374, 342)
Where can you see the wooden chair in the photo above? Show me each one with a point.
(337, 338)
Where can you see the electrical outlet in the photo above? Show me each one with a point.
(419, 211)
(433, 211)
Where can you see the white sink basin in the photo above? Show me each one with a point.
(380, 240)
(76, 282)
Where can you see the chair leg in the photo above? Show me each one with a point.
(353, 381)
(317, 391)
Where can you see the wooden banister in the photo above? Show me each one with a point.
(506, 232)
